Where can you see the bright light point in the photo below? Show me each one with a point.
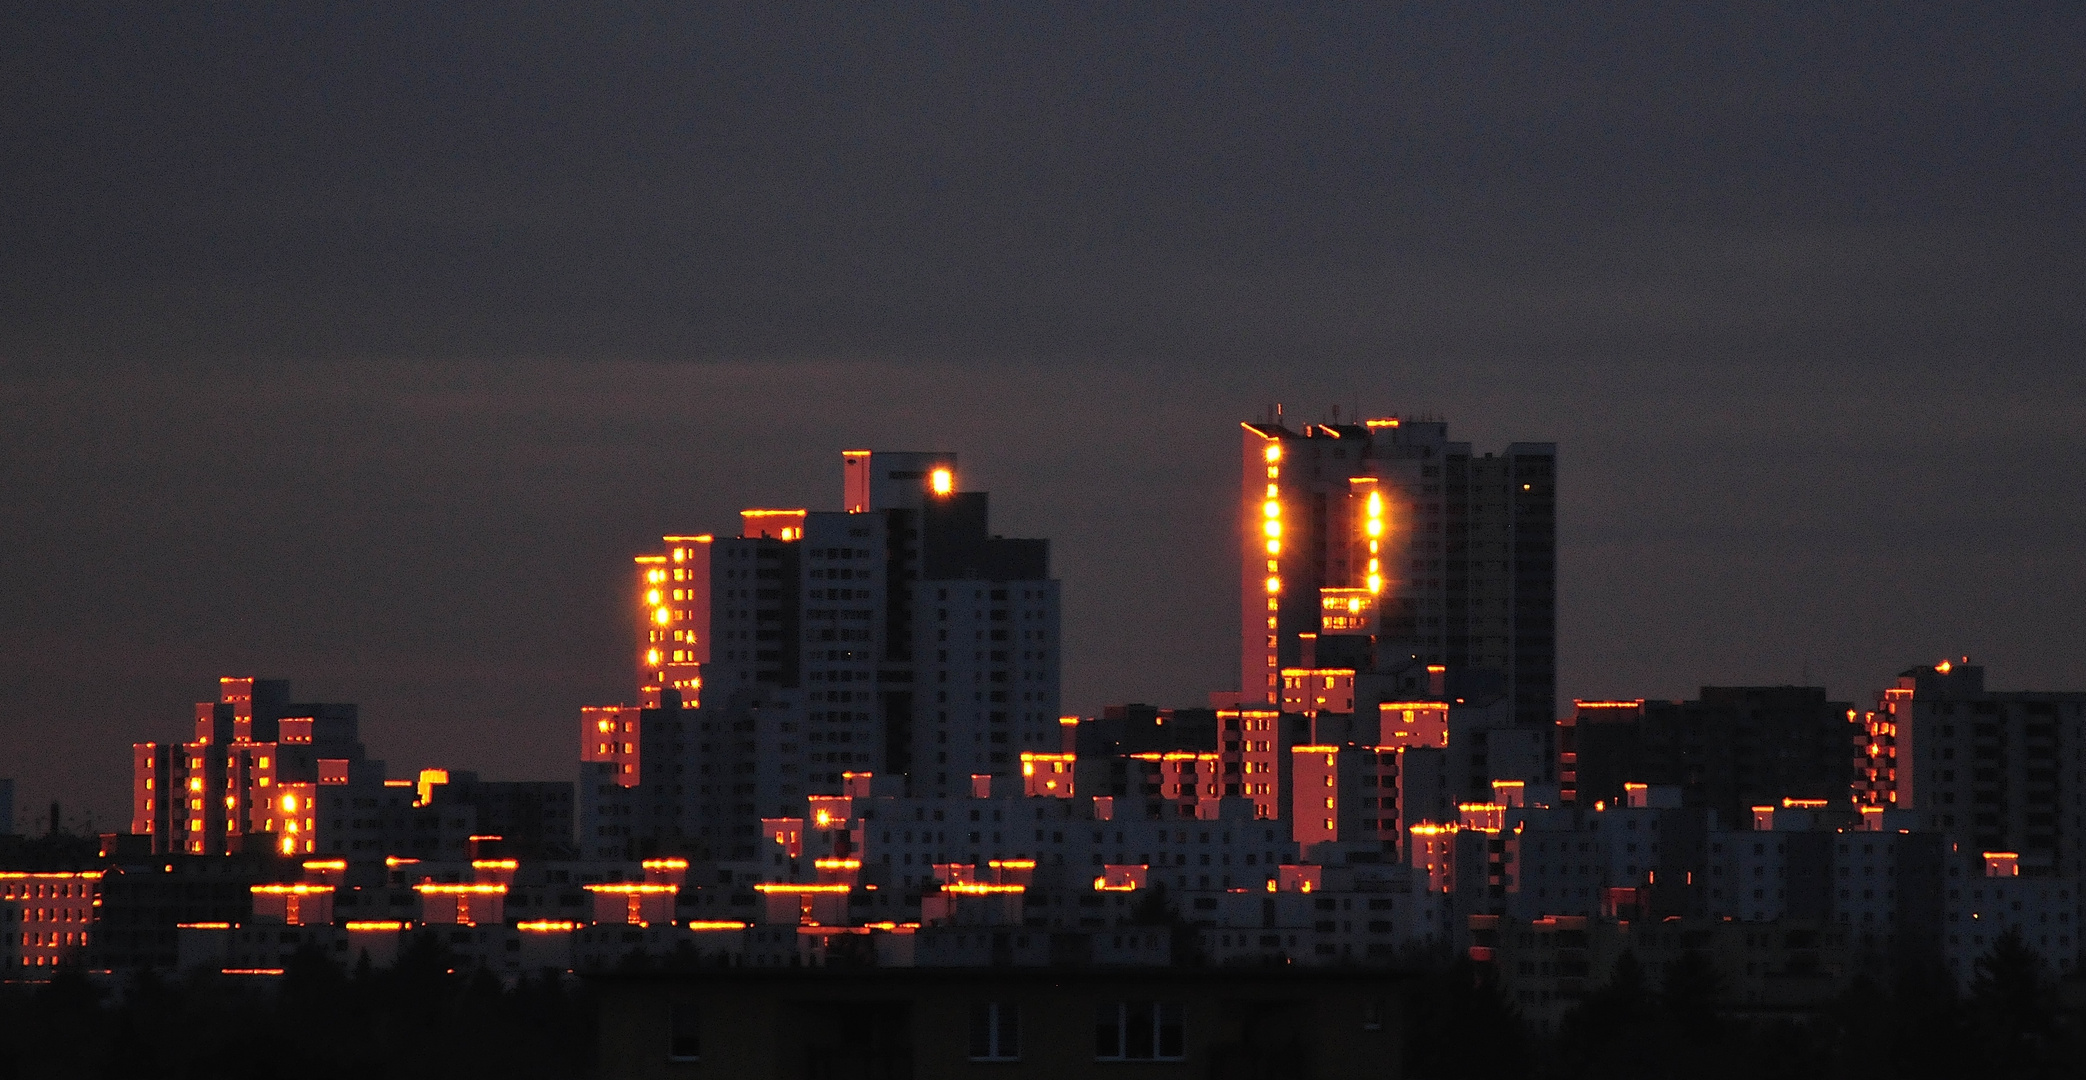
(289, 804)
(942, 481)
(1273, 529)
(1375, 583)
(1273, 508)
(1274, 492)
(652, 597)
(652, 656)
(660, 616)
(1273, 453)
(1374, 528)
(1274, 584)
(1375, 503)
(1274, 547)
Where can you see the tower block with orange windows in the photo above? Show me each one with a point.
(1375, 552)
(253, 776)
(895, 637)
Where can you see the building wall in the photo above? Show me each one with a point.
(2046, 912)
(46, 919)
(888, 1024)
(987, 680)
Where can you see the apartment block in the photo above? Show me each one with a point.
(1732, 748)
(1997, 771)
(1397, 550)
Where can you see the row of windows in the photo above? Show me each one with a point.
(45, 889)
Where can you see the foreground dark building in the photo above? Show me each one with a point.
(871, 1023)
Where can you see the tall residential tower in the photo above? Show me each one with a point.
(1381, 548)
(896, 637)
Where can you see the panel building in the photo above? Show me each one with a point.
(896, 637)
(1729, 750)
(265, 775)
(250, 776)
(1997, 771)
(1382, 548)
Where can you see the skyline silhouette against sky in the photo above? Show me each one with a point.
(363, 349)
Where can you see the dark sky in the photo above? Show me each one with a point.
(363, 344)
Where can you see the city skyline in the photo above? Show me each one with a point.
(1261, 540)
(429, 745)
(363, 350)
(847, 755)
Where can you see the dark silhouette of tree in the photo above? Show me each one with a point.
(1460, 1027)
(1618, 1030)
(1691, 992)
(1929, 1022)
(1155, 908)
(2011, 1012)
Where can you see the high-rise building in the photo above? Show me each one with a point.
(896, 637)
(1991, 769)
(1381, 549)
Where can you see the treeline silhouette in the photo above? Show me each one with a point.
(317, 1022)
(2012, 1021)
